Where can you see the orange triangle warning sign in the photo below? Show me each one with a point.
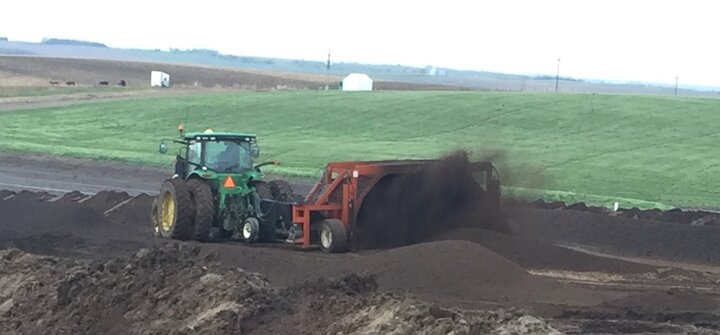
(229, 182)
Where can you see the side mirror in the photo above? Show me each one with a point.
(163, 148)
(255, 151)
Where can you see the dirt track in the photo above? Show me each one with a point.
(59, 175)
(666, 281)
(57, 100)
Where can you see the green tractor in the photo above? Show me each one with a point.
(217, 192)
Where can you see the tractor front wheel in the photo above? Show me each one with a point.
(175, 210)
(250, 230)
(333, 236)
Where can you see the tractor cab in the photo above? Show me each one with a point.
(208, 153)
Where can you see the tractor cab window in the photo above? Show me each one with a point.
(228, 156)
(193, 152)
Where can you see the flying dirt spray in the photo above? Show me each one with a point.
(410, 208)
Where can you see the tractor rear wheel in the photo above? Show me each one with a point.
(282, 191)
(176, 210)
(262, 189)
(155, 217)
(333, 236)
(202, 197)
(267, 230)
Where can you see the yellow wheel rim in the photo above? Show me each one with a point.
(167, 213)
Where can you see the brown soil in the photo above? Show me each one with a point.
(462, 271)
(88, 72)
(459, 264)
(676, 215)
(618, 234)
(652, 312)
(463, 267)
(74, 225)
(525, 252)
(171, 289)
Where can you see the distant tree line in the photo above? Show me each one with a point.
(62, 41)
(546, 77)
(217, 54)
(195, 51)
(3, 38)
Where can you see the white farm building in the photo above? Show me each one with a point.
(159, 79)
(357, 82)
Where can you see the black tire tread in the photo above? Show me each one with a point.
(155, 217)
(204, 208)
(255, 237)
(281, 190)
(183, 227)
(262, 189)
(339, 235)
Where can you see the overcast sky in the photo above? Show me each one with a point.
(599, 39)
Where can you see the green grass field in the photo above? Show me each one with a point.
(638, 150)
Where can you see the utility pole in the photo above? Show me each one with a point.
(557, 77)
(676, 84)
(327, 72)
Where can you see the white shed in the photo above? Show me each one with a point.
(159, 79)
(357, 82)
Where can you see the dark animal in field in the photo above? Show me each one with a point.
(70, 83)
(103, 83)
(54, 83)
(122, 83)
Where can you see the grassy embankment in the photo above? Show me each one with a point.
(639, 150)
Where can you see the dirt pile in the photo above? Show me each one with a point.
(162, 290)
(391, 315)
(671, 311)
(457, 270)
(676, 215)
(407, 209)
(534, 254)
(620, 236)
(75, 225)
(443, 267)
(672, 299)
(172, 289)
